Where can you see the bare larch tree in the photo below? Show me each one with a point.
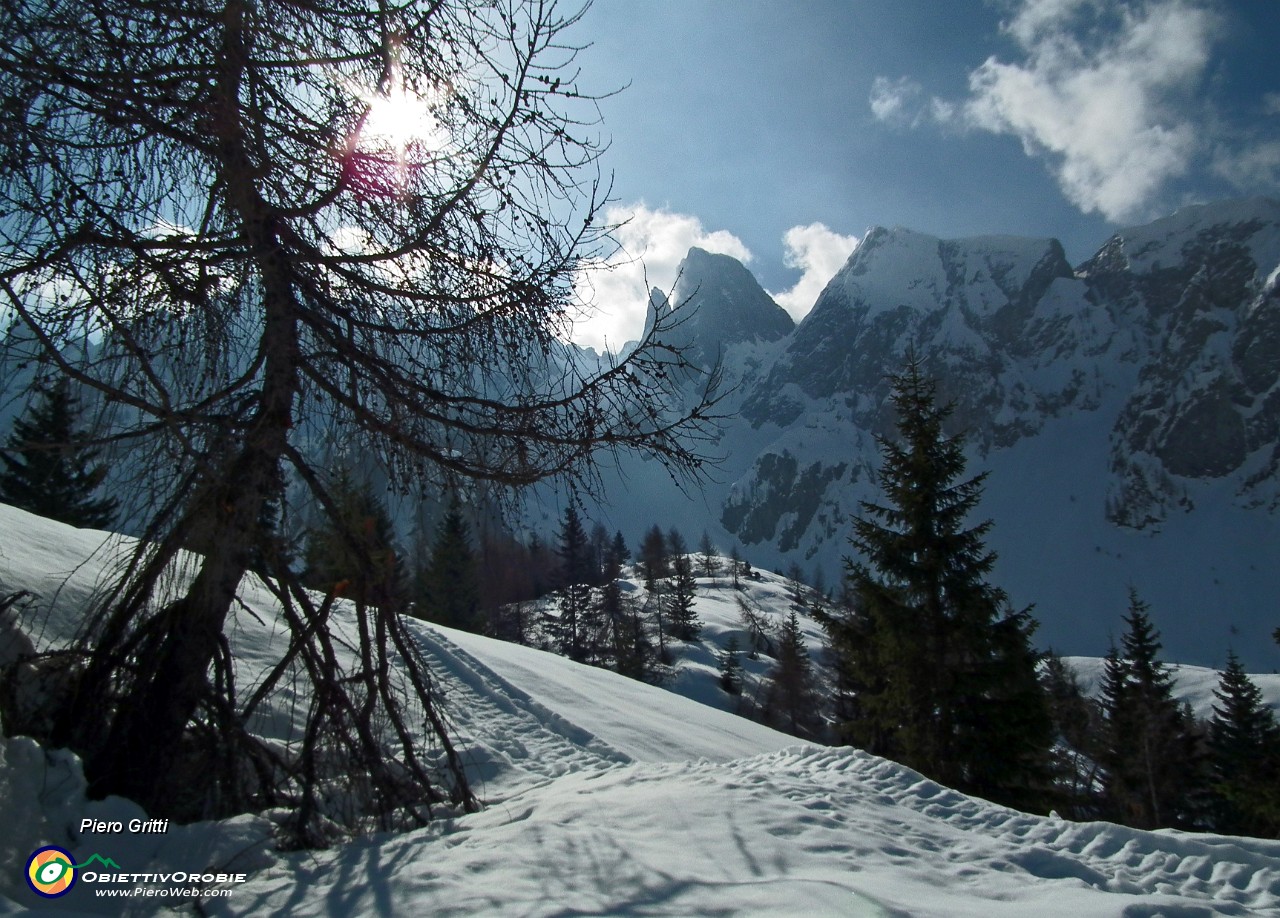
(246, 227)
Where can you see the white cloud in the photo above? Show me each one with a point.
(1253, 164)
(819, 253)
(1037, 17)
(1097, 94)
(1101, 93)
(654, 242)
(896, 101)
(1255, 167)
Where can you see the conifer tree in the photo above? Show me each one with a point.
(731, 667)
(1244, 757)
(791, 701)
(611, 613)
(49, 468)
(1077, 723)
(619, 553)
(449, 590)
(655, 562)
(598, 553)
(573, 628)
(542, 566)
(938, 671)
(735, 566)
(352, 553)
(622, 641)
(655, 567)
(1149, 754)
(684, 618)
(708, 560)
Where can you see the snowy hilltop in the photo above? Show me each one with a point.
(602, 795)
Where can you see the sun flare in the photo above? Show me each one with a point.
(398, 140)
(404, 122)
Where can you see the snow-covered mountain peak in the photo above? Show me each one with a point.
(897, 269)
(722, 305)
(1155, 365)
(1164, 243)
(968, 306)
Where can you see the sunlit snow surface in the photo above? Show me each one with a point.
(608, 797)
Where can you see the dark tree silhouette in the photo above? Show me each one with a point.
(1149, 752)
(1244, 757)
(791, 701)
(731, 677)
(50, 469)
(573, 627)
(211, 222)
(708, 559)
(655, 567)
(685, 624)
(936, 669)
(338, 548)
(448, 589)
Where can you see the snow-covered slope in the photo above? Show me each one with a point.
(605, 796)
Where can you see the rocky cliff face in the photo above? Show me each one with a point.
(1202, 286)
(1178, 322)
(1138, 394)
(984, 314)
(723, 306)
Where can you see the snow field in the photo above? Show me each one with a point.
(605, 796)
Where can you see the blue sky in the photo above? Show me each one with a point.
(779, 131)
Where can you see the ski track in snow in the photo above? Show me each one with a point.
(605, 796)
(504, 733)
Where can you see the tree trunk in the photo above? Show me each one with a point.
(145, 738)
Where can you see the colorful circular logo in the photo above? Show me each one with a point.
(51, 872)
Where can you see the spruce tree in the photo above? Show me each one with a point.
(731, 679)
(574, 625)
(352, 551)
(448, 588)
(937, 669)
(708, 560)
(543, 568)
(655, 562)
(619, 553)
(49, 468)
(598, 553)
(1149, 755)
(655, 567)
(791, 701)
(611, 612)
(1244, 757)
(683, 590)
(735, 567)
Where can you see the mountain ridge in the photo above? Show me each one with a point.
(1127, 409)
